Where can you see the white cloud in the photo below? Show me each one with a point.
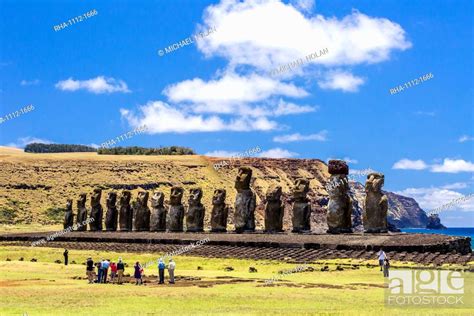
(96, 85)
(277, 153)
(453, 166)
(424, 113)
(457, 185)
(160, 117)
(304, 5)
(23, 141)
(408, 164)
(286, 108)
(432, 198)
(29, 83)
(222, 153)
(465, 138)
(297, 137)
(340, 80)
(252, 33)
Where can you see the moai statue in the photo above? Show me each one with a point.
(112, 214)
(81, 212)
(195, 213)
(376, 204)
(141, 212)
(68, 215)
(339, 209)
(176, 210)
(96, 211)
(274, 210)
(125, 211)
(301, 207)
(158, 212)
(245, 202)
(220, 211)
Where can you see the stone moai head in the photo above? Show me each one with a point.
(176, 195)
(374, 182)
(273, 193)
(301, 189)
(95, 197)
(81, 202)
(142, 198)
(242, 181)
(68, 205)
(111, 199)
(157, 199)
(125, 197)
(338, 167)
(219, 197)
(195, 195)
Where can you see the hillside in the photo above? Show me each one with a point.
(34, 187)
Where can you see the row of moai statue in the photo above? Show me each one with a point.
(139, 217)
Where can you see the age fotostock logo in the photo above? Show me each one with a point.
(426, 288)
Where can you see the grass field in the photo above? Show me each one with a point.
(48, 288)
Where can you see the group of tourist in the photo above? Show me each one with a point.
(383, 262)
(117, 270)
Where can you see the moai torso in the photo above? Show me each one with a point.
(301, 208)
(68, 215)
(376, 205)
(176, 210)
(220, 211)
(339, 208)
(141, 213)
(96, 211)
(195, 214)
(158, 212)
(112, 213)
(274, 210)
(81, 212)
(245, 202)
(125, 211)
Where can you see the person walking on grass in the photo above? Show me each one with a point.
(161, 271)
(138, 273)
(386, 267)
(382, 256)
(90, 270)
(113, 272)
(171, 267)
(99, 271)
(120, 269)
(65, 254)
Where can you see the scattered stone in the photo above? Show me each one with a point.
(33, 260)
(339, 268)
(310, 269)
(21, 259)
(228, 268)
(8, 259)
(252, 270)
(199, 268)
(325, 268)
(73, 262)
(57, 261)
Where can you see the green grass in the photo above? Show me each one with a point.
(47, 288)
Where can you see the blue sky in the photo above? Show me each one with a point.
(102, 77)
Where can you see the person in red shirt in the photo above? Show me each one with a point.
(113, 272)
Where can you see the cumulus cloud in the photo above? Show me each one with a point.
(252, 33)
(96, 85)
(29, 82)
(277, 153)
(297, 137)
(23, 141)
(161, 117)
(338, 80)
(407, 164)
(221, 153)
(432, 198)
(465, 138)
(453, 166)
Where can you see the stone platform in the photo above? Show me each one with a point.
(391, 242)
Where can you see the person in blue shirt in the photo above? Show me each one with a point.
(105, 270)
(161, 271)
(99, 271)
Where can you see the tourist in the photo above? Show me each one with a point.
(113, 272)
(138, 273)
(99, 271)
(382, 256)
(105, 268)
(65, 254)
(171, 267)
(120, 269)
(386, 267)
(161, 271)
(90, 270)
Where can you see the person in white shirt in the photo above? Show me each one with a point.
(171, 267)
(382, 257)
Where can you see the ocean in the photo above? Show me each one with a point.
(455, 231)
